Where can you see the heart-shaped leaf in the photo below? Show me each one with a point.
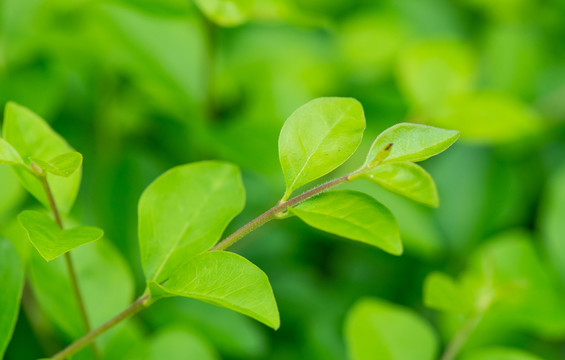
(224, 279)
(184, 212)
(50, 240)
(226, 12)
(353, 215)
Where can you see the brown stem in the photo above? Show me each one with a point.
(134, 308)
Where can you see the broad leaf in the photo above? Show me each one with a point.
(353, 215)
(50, 240)
(406, 179)
(32, 137)
(63, 165)
(226, 12)
(319, 137)
(441, 292)
(499, 353)
(9, 155)
(412, 142)
(12, 281)
(224, 279)
(184, 212)
(375, 329)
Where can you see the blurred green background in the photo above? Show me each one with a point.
(140, 86)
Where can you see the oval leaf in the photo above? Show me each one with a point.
(12, 275)
(184, 212)
(32, 137)
(224, 279)
(318, 137)
(412, 142)
(406, 179)
(9, 155)
(49, 240)
(375, 329)
(63, 165)
(226, 12)
(353, 215)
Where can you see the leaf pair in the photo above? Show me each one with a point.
(182, 214)
(29, 139)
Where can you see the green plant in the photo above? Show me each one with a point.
(183, 213)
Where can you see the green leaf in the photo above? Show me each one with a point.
(375, 329)
(406, 179)
(226, 12)
(431, 73)
(32, 137)
(184, 212)
(499, 353)
(412, 142)
(12, 275)
(101, 270)
(50, 240)
(353, 215)
(441, 292)
(224, 279)
(63, 165)
(9, 155)
(180, 344)
(319, 137)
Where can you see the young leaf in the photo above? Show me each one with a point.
(406, 179)
(9, 155)
(32, 137)
(184, 212)
(318, 137)
(353, 215)
(375, 329)
(226, 12)
(224, 279)
(441, 292)
(499, 353)
(49, 240)
(12, 275)
(412, 142)
(63, 165)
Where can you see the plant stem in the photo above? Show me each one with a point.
(134, 308)
(461, 337)
(68, 258)
(272, 212)
(140, 303)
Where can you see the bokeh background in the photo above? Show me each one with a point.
(140, 86)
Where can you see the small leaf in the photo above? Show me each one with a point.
(224, 279)
(499, 353)
(63, 165)
(12, 275)
(406, 179)
(412, 142)
(319, 137)
(32, 137)
(441, 292)
(49, 240)
(184, 212)
(353, 215)
(180, 344)
(375, 329)
(9, 155)
(226, 12)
